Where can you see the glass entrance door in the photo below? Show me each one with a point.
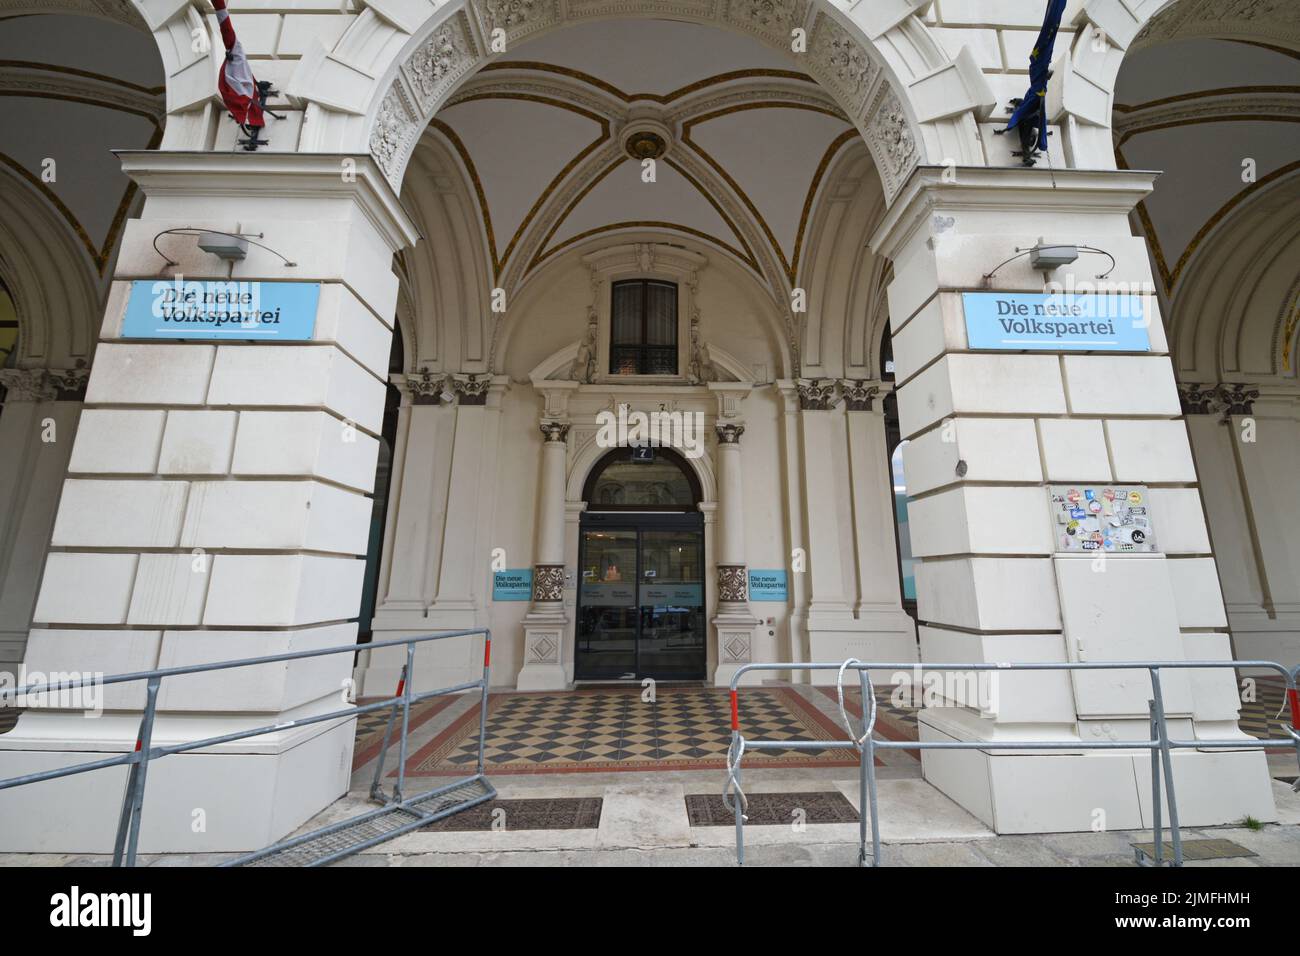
(641, 597)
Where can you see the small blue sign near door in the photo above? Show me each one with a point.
(1057, 321)
(513, 584)
(768, 585)
(257, 311)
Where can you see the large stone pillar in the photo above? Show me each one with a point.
(218, 507)
(546, 624)
(989, 432)
(41, 411)
(734, 620)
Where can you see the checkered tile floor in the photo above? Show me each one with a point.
(1269, 714)
(615, 729)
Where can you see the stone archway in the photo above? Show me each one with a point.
(911, 102)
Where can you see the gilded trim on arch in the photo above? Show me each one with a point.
(499, 261)
(1170, 276)
(688, 125)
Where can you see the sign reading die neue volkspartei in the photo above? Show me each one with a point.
(1057, 321)
(261, 311)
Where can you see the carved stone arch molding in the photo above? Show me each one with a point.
(585, 451)
(401, 60)
(122, 11)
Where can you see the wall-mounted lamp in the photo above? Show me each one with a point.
(230, 246)
(1046, 256)
(224, 246)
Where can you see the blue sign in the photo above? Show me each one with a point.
(258, 311)
(1056, 321)
(768, 585)
(513, 584)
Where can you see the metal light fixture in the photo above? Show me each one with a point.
(230, 246)
(226, 246)
(1046, 256)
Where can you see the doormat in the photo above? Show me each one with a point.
(561, 813)
(614, 729)
(772, 809)
(1198, 849)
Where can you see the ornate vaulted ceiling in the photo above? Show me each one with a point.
(541, 135)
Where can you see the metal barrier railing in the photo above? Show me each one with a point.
(399, 813)
(1160, 744)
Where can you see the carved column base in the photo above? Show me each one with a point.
(545, 629)
(737, 628)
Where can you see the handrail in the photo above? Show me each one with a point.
(1159, 743)
(127, 838)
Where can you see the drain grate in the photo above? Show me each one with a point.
(1199, 850)
(561, 813)
(771, 809)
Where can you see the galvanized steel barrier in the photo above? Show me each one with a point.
(1159, 743)
(398, 815)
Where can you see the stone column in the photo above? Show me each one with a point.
(218, 508)
(441, 521)
(878, 605)
(988, 432)
(1245, 439)
(842, 503)
(546, 624)
(41, 411)
(735, 621)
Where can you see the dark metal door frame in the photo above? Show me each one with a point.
(636, 522)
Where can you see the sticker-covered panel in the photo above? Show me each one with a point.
(1114, 519)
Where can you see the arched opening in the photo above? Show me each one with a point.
(1212, 102)
(640, 594)
(644, 197)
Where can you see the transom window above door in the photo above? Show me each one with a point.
(643, 327)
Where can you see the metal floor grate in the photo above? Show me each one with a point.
(370, 829)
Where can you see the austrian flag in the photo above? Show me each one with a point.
(236, 84)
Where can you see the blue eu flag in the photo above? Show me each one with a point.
(1032, 107)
